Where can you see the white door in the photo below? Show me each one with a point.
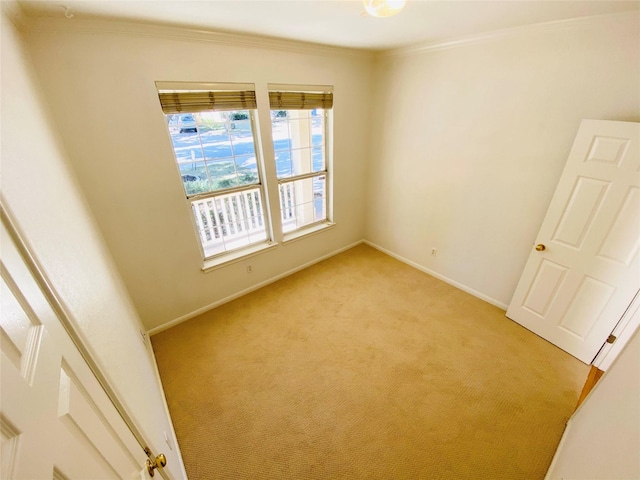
(56, 420)
(574, 291)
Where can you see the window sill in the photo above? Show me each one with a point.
(305, 232)
(233, 257)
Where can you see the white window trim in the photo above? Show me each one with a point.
(220, 258)
(261, 186)
(269, 183)
(321, 225)
(307, 231)
(299, 88)
(236, 256)
(206, 86)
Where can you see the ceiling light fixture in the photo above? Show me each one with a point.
(383, 8)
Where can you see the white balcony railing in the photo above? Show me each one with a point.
(287, 204)
(234, 220)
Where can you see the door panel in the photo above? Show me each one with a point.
(586, 306)
(544, 287)
(20, 333)
(56, 420)
(575, 290)
(577, 218)
(623, 239)
(607, 150)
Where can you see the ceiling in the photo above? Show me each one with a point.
(335, 22)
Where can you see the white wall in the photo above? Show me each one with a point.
(101, 89)
(463, 152)
(602, 439)
(41, 192)
(470, 141)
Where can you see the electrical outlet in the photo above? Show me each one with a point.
(434, 252)
(249, 269)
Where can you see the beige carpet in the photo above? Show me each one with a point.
(361, 367)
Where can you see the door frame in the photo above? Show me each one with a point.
(623, 331)
(63, 316)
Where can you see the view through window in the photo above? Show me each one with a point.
(299, 129)
(216, 154)
(213, 133)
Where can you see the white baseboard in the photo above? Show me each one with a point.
(206, 308)
(252, 288)
(439, 276)
(558, 451)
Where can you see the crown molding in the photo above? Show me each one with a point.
(573, 23)
(115, 27)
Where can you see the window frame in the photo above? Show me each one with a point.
(260, 185)
(212, 260)
(268, 184)
(327, 172)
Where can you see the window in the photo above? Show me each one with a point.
(212, 129)
(299, 126)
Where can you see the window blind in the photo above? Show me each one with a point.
(201, 101)
(300, 100)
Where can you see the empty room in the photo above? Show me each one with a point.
(307, 239)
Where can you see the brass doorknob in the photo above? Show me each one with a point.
(540, 247)
(160, 461)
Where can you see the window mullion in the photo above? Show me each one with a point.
(267, 212)
(302, 176)
(271, 190)
(204, 155)
(233, 150)
(225, 191)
